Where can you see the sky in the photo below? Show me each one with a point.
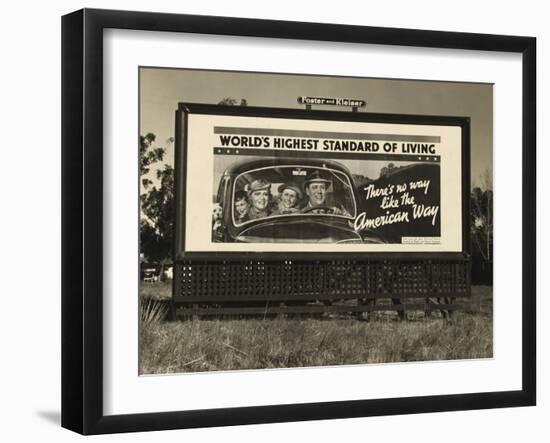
(161, 89)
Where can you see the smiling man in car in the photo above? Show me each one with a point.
(316, 188)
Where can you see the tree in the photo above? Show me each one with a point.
(157, 206)
(387, 169)
(481, 225)
(150, 241)
(147, 156)
(157, 203)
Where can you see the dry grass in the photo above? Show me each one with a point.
(157, 291)
(221, 344)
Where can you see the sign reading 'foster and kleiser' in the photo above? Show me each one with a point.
(334, 101)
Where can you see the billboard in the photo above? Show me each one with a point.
(290, 181)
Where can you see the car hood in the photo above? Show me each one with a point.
(314, 229)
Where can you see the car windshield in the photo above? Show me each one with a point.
(278, 191)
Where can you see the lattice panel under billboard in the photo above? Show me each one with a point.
(243, 286)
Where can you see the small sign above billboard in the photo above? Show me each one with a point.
(332, 101)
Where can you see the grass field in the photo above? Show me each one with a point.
(225, 344)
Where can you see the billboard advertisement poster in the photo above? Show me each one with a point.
(311, 183)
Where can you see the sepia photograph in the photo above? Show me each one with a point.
(291, 221)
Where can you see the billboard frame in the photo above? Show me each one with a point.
(185, 109)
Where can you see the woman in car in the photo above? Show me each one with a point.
(290, 195)
(259, 196)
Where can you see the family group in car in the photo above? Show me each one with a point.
(256, 200)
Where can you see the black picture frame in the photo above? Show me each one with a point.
(82, 218)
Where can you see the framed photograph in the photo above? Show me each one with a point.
(270, 221)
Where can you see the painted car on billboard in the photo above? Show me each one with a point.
(285, 200)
